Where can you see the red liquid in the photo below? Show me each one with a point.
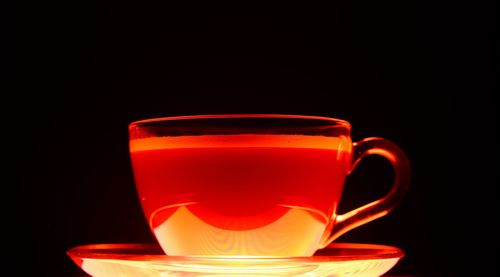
(239, 189)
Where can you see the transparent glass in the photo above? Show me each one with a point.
(338, 259)
(253, 184)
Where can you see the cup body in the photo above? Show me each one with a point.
(240, 185)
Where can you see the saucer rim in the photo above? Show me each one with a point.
(92, 251)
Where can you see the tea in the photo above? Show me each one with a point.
(240, 194)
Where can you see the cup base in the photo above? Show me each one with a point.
(338, 259)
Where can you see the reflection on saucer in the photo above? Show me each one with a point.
(339, 259)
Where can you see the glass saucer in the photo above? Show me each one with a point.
(338, 259)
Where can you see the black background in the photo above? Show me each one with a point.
(89, 70)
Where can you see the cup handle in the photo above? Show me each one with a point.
(378, 208)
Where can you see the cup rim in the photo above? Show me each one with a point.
(334, 121)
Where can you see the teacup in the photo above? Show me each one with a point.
(252, 184)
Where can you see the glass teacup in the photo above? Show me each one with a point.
(254, 184)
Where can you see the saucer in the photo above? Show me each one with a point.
(338, 259)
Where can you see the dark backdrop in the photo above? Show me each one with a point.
(94, 68)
